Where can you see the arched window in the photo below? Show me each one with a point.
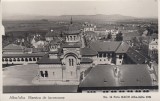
(69, 62)
(46, 73)
(74, 37)
(34, 59)
(70, 37)
(41, 72)
(72, 62)
(14, 59)
(30, 59)
(10, 60)
(26, 59)
(18, 59)
(3, 59)
(22, 59)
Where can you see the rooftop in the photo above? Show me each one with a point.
(71, 45)
(14, 47)
(135, 56)
(23, 55)
(52, 33)
(87, 52)
(106, 46)
(86, 60)
(123, 48)
(130, 75)
(46, 60)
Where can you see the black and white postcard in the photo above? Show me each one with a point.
(70, 50)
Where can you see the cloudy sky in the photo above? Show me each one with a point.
(135, 8)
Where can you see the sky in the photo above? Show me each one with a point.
(135, 8)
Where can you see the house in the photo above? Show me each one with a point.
(88, 27)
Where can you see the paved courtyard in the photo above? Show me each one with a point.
(18, 79)
(19, 75)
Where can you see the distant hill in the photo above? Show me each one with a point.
(97, 17)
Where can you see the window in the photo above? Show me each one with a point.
(70, 37)
(18, 59)
(53, 73)
(46, 73)
(74, 37)
(14, 59)
(41, 72)
(120, 56)
(37, 59)
(69, 62)
(71, 73)
(104, 55)
(100, 55)
(119, 61)
(34, 59)
(26, 59)
(100, 60)
(72, 62)
(30, 59)
(10, 60)
(6, 59)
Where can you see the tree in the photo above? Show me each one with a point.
(109, 36)
(119, 37)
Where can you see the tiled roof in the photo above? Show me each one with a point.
(52, 33)
(23, 55)
(55, 41)
(58, 52)
(98, 75)
(87, 52)
(123, 48)
(86, 60)
(72, 32)
(72, 29)
(130, 75)
(46, 60)
(71, 45)
(14, 47)
(135, 56)
(105, 46)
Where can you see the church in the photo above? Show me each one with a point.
(66, 60)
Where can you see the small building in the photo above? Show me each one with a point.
(153, 45)
(88, 27)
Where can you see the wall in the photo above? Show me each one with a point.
(57, 69)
